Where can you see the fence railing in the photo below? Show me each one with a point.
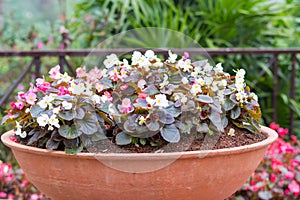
(63, 62)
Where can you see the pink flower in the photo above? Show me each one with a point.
(294, 188)
(34, 197)
(40, 45)
(20, 87)
(63, 91)
(25, 183)
(142, 95)
(81, 72)
(99, 87)
(42, 85)
(94, 74)
(282, 131)
(50, 39)
(55, 72)
(108, 96)
(273, 178)
(13, 104)
(12, 138)
(126, 106)
(2, 195)
(30, 98)
(19, 105)
(124, 87)
(274, 126)
(294, 138)
(289, 175)
(185, 56)
(21, 95)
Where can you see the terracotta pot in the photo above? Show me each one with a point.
(210, 174)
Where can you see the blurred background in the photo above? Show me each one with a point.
(82, 24)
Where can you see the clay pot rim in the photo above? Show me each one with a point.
(272, 136)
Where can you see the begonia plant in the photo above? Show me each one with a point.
(139, 101)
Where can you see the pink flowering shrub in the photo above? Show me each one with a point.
(13, 185)
(278, 175)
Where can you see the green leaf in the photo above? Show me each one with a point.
(175, 112)
(202, 128)
(165, 118)
(36, 110)
(235, 113)
(151, 90)
(69, 132)
(170, 133)
(79, 113)
(88, 125)
(143, 141)
(65, 98)
(34, 138)
(67, 115)
(204, 98)
(228, 105)
(74, 150)
(52, 145)
(123, 139)
(99, 135)
(215, 118)
(152, 125)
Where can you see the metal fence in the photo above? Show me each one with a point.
(63, 62)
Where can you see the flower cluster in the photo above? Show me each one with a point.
(278, 176)
(142, 100)
(13, 185)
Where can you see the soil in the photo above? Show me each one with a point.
(187, 143)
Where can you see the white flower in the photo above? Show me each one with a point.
(184, 80)
(165, 81)
(53, 121)
(142, 120)
(185, 65)
(50, 128)
(254, 96)
(46, 101)
(224, 83)
(161, 100)
(43, 120)
(27, 110)
(66, 105)
(144, 62)
(150, 55)
(240, 74)
(96, 99)
(231, 132)
(172, 57)
(218, 68)
(180, 96)
(208, 80)
(207, 67)
(23, 134)
(19, 128)
(110, 60)
(78, 89)
(214, 86)
(196, 88)
(104, 73)
(141, 84)
(65, 78)
(135, 57)
(158, 63)
(56, 110)
(200, 81)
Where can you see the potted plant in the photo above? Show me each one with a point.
(111, 133)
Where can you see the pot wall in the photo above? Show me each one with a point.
(213, 174)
